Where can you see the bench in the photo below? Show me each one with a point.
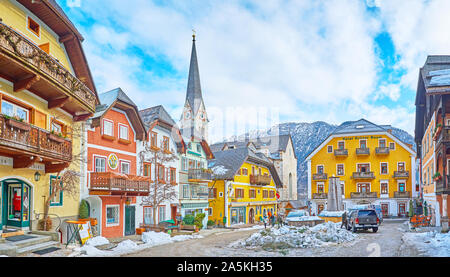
(160, 227)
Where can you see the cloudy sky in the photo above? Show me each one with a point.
(299, 61)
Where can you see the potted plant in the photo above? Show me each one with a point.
(198, 221)
(17, 122)
(45, 225)
(210, 224)
(437, 176)
(57, 137)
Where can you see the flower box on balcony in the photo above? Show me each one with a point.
(55, 138)
(24, 126)
(124, 141)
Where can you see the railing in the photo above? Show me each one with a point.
(119, 183)
(402, 194)
(362, 151)
(382, 150)
(25, 51)
(357, 195)
(341, 152)
(199, 174)
(444, 135)
(320, 195)
(440, 188)
(260, 179)
(23, 136)
(320, 176)
(195, 191)
(363, 175)
(401, 174)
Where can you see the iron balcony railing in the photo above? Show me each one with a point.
(401, 174)
(402, 194)
(320, 195)
(356, 195)
(341, 152)
(320, 176)
(199, 174)
(362, 151)
(382, 150)
(363, 175)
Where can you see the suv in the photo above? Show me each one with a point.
(363, 219)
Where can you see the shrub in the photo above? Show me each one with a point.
(210, 222)
(84, 209)
(188, 220)
(198, 220)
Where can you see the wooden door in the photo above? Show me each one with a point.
(130, 226)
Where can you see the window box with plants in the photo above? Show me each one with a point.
(17, 122)
(437, 131)
(437, 176)
(56, 137)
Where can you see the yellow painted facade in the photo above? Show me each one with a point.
(16, 16)
(251, 205)
(428, 160)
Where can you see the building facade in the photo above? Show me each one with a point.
(244, 187)
(163, 138)
(432, 134)
(46, 91)
(373, 166)
(112, 181)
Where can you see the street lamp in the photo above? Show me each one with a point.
(37, 176)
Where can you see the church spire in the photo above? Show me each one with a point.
(194, 90)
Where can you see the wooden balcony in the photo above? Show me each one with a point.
(360, 195)
(363, 175)
(28, 67)
(320, 176)
(402, 194)
(262, 180)
(382, 150)
(110, 183)
(363, 151)
(443, 136)
(401, 174)
(440, 186)
(28, 144)
(199, 175)
(341, 152)
(322, 195)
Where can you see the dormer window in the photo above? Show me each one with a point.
(123, 132)
(108, 127)
(359, 127)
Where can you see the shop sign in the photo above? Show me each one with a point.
(113, 161)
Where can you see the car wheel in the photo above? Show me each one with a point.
(375, 229)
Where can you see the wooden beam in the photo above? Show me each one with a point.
(26, 83)
(54, 168)
(58, 102)
(24, 161)
(82, 117)
(67, 37)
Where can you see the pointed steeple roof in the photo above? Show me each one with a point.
(194, 90)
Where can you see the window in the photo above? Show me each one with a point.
(185, 191)
(56, 127)
(384, 188)
(154, 139)
(212, 193)
(341, 145)
(173, 175)
(259, 171)
(252, 193)
(210, 211)
(271, 194)
(33, 27)
(401, 187)
(382, 142)
(385, 209)
(362, 143)
(14, 110)
(320, 188)
(123, 132)
(392, 145)
(364, 187)
(384, 168)
(265, 193)
(363, 167)
(245, 171)
(112, 215)
(108, 127)
(184, 166)
(401, 166)
(161, 213)
(340, 170)
(402, 209)
(124, 167)
(148, 169)
(166, 143)
(320, 169)
(320, 208)
(239, 193)
(330, 149)
(100, 164)
(199, 148)
(220, 194)
(148, 215)
(57, 200)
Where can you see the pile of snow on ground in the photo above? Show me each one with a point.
(97, 241)
(434, 244)
(297, 237)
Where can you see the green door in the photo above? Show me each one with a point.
(130, 212)
(16, 203)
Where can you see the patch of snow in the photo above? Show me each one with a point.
(97, 241)
(303, 218)
(219, 170)
(434, 244)
(331, 213)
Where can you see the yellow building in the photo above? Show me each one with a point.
(245, 186)
(46, 91)
(373, 166)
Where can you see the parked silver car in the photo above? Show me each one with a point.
(363, 219)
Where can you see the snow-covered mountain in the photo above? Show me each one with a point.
(306, 137)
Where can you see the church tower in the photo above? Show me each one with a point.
(194, 120)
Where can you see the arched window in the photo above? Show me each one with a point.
(290, 185)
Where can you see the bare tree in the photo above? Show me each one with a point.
(67, 180)
(160, 189)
